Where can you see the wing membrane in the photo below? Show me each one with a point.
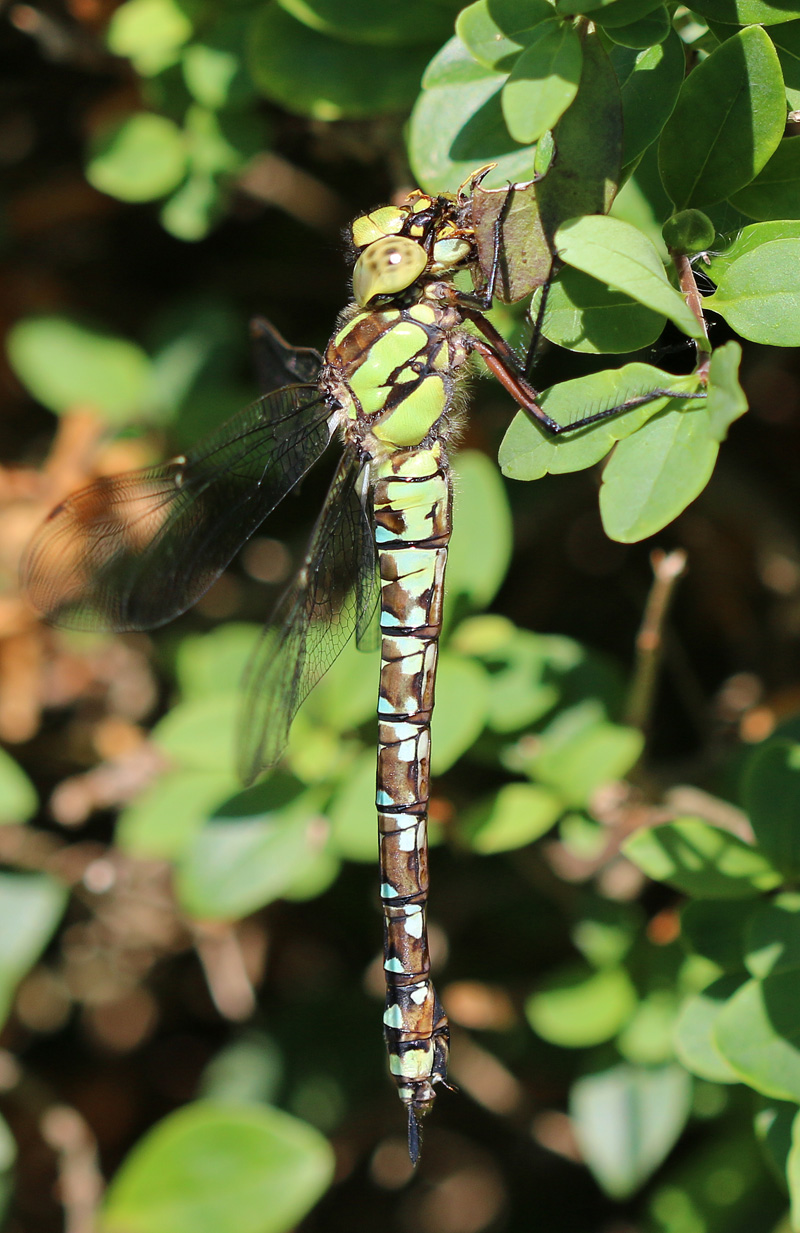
(135, 550)
(277, 362)
(335, 593)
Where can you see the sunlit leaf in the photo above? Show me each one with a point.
(619, 255)
(138, 159)
(68, 366)
(701, 860)
(517, 815)
(31, 905)
(758, 1034)
(727, 122)
(18, 797)
(694, 1032)
(626, 1120)
(581, 1008)
(215, 1168)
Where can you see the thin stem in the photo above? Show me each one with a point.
(667, 569)
(688, 285)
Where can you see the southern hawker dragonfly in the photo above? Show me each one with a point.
(133, 551)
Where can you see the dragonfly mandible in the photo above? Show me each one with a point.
(133, 551)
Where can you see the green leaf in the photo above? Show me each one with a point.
(728, 121)
(748, 239)
(517, 815)
(773, 1124)
(150, 32)
(528, 453)
(700, 860)
(612, 13)
(162, 822)
(626, 1121)
(775, 192)
(621, 11)
(138, 159)
(200, 734)
(352, 812)
(787, 42)
(606, 931)
(238, 863)
(311, 74)
(462, 703)
(522, 668)
(67, 366)
(215, 1168)
(457, 123)
(584, 176)
(362, 21)
(715, 929)
(580, 752)
(694, 1032)
(213, 67)
(207, 664)
(618, 254)
(759, 294)
(649, 83)
(19, 800)
(745, 12)
(480, 548)
(793, 1172)
(652, 476)
(543, 81)
(647, 1039)
(645, 33)
(771, 797)
(758, 1034)
(773, 937)
(581, 1008)
(495, 31)
(585, 315)
(31, 905)
(192, 211)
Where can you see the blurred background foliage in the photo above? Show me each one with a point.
(180, 955)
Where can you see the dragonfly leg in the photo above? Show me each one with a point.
(502, 360)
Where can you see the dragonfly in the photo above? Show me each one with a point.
(133, 551)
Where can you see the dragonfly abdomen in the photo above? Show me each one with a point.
(412, 510)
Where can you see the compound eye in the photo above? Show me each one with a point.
(387, 267)
(448, 253)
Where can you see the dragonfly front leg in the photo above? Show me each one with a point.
(412, 518)
(502, 360)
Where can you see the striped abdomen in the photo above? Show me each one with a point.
(412, 506)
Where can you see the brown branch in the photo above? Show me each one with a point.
(667, 569)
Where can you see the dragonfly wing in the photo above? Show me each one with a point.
(278, 362)
(133, 551)
(335, 593)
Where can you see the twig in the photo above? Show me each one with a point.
(80, 1180)
(667, 569)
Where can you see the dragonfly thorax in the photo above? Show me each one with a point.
(395, 373)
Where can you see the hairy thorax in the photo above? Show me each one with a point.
(395, 373)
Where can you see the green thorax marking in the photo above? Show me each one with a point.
(396, 368)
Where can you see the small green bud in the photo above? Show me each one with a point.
(688, 231)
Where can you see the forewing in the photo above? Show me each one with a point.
(135, 550)
(334, 593)
(278, 362)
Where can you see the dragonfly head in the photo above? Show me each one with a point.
(387, 267)
(400, 243)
